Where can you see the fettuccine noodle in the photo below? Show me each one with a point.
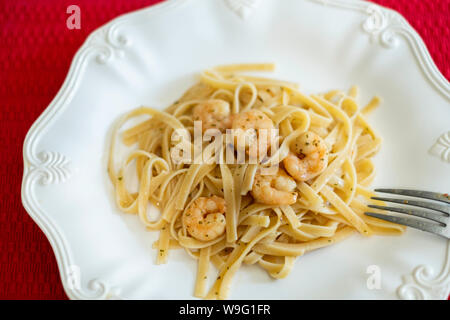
(240, 221)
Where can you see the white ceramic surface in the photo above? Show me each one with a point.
(151, 56)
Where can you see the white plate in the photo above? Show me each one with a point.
(151, 56)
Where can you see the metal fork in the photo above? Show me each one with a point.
(437, 214)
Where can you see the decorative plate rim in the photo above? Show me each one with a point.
(106, 42)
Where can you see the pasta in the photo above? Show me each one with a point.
(241, 195)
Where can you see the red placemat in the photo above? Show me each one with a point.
(35, 55)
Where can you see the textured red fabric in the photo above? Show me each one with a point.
(36, 49)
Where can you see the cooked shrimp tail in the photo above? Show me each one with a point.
(309, 157)
(204, 219)
(276, 189)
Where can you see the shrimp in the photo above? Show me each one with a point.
(213, 113)
(310, 157)
(276, 189)
(258, 130)
(205, 218)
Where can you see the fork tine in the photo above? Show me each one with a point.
(414, 212)
(423, 204)
(410, 222)
(443, 197)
